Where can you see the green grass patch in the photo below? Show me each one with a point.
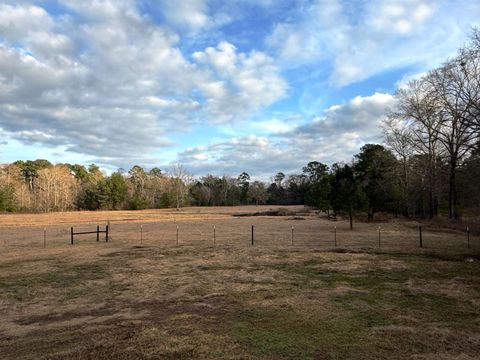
(70, 279)
(118, 287)
(287, 333)
(380, 297)
(16, 264)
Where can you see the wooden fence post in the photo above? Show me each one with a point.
(44, 238)
(468, 237)
(292, 235)
(98, 233)
(106, 232)
(379, 239)
(420, 232)
(214, 236)
(177, 235)
(71, 235)
(335, 235)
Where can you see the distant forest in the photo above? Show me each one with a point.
(429, 165)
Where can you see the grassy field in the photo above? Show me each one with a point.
(156, 300)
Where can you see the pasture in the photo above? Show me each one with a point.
(294, 294)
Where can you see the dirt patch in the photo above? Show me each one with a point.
(64, 317)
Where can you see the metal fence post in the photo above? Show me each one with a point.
(252, 235)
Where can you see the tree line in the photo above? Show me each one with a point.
(40, 186)
(372, 182)
(429, 165)
(434, 132)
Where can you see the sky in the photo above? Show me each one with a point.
(221, 87)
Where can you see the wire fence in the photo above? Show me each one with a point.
(247, 232)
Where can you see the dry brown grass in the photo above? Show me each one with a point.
(156, 300)
(195, 227)
(152, 215)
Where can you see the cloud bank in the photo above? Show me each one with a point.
(107, 81)
(223, 87)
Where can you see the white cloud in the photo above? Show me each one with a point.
(275, 126)
(343, 129)
(402, 17)
(194, 17)
(238, 84)
(16, 22)
(335, 136)
(108, 82)
(192, 13)
(90, 100)
(256, 155)
(403, 82)
(310, 36)
(362, 39)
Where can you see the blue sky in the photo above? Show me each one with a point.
(221, 87)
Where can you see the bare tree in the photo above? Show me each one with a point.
(417, 123)
(56, 188)
(181, 180)
(398, 138)
(455, 134)
(467, 79)
(138, 177)
(157, 185)
(257, 191)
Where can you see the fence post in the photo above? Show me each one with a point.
(213, 235)
(106, 232)
(420, 232)
(252, 235)
(335, 235)
(379, 239)
(468, 237)
(141, 233)
(44, 238)
(71, 235)
(177, 235)
(98, 233)
(292, 235)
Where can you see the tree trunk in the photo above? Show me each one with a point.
(370, 213)
(452, 193)
(432, 184)
(406, 211)
(430, 203)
